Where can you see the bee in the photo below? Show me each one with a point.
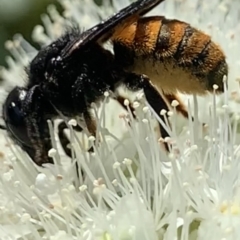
(153, 54)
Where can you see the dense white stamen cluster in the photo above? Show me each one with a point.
(129, 188)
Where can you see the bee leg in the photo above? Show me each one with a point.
(36, 108)
(121, 101)
(137, 82)
(158, 104)
(64, 141)
(82, 107)
(181, 106)
(91, 126)
(90, 122)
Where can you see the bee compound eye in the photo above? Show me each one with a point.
(16, 124)
(14, 117)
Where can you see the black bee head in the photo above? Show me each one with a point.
(14, 118)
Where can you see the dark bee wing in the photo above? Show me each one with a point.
(104, 30)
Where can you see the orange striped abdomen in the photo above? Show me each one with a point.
(173, 54)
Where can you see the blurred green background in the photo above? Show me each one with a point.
(20, 16)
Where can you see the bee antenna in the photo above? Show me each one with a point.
(3, 127)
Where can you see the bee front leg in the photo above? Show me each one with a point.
(36, 109)
(64, 141)
(82, 104)
(135, 82)
(90, 122)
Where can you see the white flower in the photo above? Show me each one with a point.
(131, 188)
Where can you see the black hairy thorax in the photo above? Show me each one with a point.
(73, 84)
